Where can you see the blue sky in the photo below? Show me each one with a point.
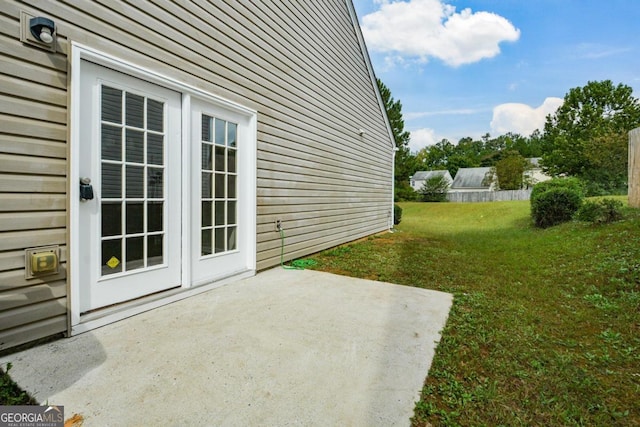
(468, 67)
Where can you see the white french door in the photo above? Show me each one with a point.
(130, 150)
(166, 178)
(222, 195)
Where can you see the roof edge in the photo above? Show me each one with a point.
(367, 61)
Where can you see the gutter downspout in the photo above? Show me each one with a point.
(393, 186)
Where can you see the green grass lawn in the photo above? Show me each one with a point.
(545, 325)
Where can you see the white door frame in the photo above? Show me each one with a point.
(81, 52)
(99, 289)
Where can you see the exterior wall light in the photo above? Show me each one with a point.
(42, 29)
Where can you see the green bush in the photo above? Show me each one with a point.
(555, 206)
(11, 393)
(602, 211)
(573, 184)
(435, 189)
(404, 193)
(397, 214)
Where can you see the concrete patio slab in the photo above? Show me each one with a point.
(285, 347)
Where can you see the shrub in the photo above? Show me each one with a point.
(555, 206)
(600, 212)
(435, 189)
(571, 183)
(11, 393)
(404, 193)
(590, 211)
(397, 214)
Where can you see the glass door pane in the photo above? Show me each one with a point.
(133, 202)
(219, 185)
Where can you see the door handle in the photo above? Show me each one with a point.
(86, 189)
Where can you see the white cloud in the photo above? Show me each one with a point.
(421, 29)
(420, 138)
(521, 118)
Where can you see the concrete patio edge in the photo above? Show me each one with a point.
(285, 347)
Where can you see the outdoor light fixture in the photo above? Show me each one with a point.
(361, 132)
(42, 29)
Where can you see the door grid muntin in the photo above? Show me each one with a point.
(133, 192)
(219, 179)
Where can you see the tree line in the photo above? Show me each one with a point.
(586, 138)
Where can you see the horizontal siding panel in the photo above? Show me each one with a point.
(324, 241)
(12, 47)
(31, 292)
(32, 313)
(32, 331)
(359, 150)
(303, 43)
(32, 220)
(16, 259)
(305, 24)
(323, 153)
(32, 109)
(277, 32)
(320, 140)
(32, 128)
(302, 238)
(306, 129)
(350, 187)
(31, 202)
(34, 73)
(28, 164)
(352, 196)
(270, 210)
(272, 178)
(271, 240)
(267, 230)
(31, 184)
(34, 238)
(287, 216)
(12, 144)
(343, 170)
(20, 88)
(294, 170)
(335, 201)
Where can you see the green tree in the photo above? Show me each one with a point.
(435, 189)
(405, 164)
(470, 153)
(435, 157)
(509, 171)
(581, 136)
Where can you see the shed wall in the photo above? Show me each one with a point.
(299, 64)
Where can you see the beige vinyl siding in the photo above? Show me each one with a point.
(33, 186)
(298, 64)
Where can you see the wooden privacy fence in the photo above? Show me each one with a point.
(489, 196)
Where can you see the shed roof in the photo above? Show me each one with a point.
(470, 178)
(425, 175)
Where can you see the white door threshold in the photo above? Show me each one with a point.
(107, 315)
